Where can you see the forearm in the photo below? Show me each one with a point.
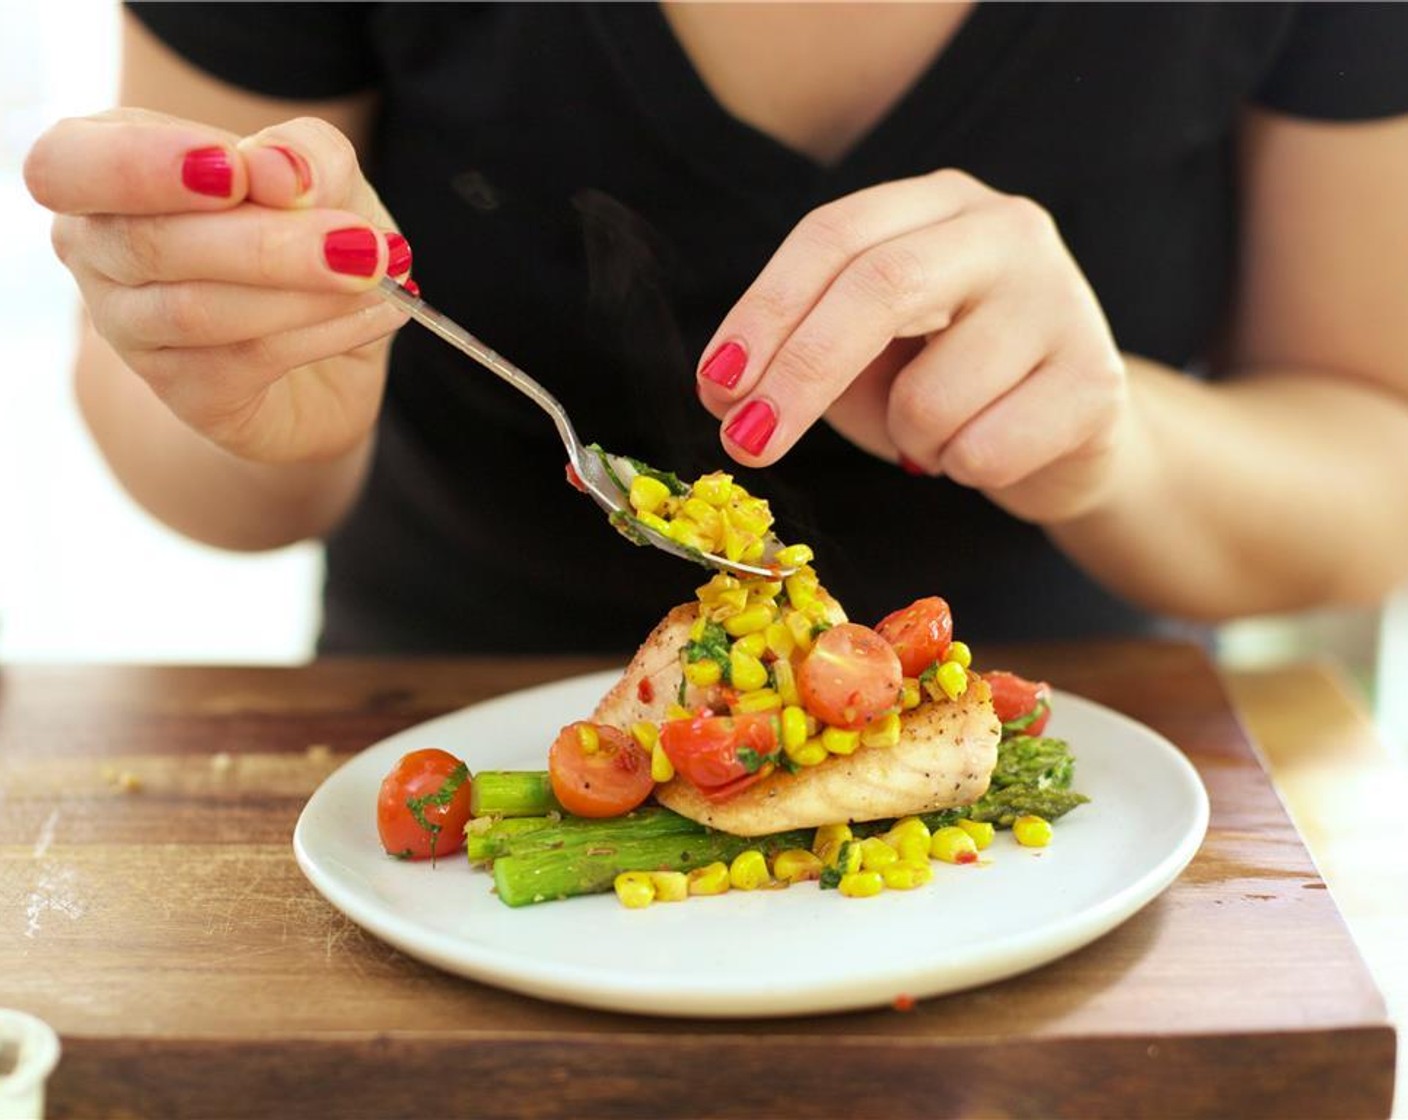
(195, 487)
(1265, 493)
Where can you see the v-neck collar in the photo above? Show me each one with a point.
(744, 160)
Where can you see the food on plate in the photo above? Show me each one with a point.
(423, 805)
(759, 738)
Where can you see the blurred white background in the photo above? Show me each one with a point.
(85, 575)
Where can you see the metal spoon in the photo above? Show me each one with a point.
(605, 477)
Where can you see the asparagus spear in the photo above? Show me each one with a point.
(575, 869)
(520, 835)
(1003, 806)
(512, 793)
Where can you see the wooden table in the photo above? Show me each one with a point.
(151, 910)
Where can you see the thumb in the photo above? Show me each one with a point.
(308, 162)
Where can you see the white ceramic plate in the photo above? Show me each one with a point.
(761, 953)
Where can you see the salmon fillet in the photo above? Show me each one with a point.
(944, 758)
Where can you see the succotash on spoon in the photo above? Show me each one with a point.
(605, 477)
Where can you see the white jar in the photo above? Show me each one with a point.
(30, 1050)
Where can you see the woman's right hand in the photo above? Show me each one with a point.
(235, 277)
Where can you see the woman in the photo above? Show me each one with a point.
(938, 272)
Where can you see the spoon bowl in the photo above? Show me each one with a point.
(604, 477)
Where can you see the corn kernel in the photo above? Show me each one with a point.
(688, 534)
(715, 488)
(754, 644)
(876, 854)
(831, 834)
(708, 595)
(862, 884)
(980, 831)
(753, 551)
(1031, 831)
(670, 886)
(800, 627)
(735, 541)
(794, 556)
(707, 880)
(906, 874)
(952, 678)
(953, 845)
(750, 619)
(784, 678)
(764, 590)
(752, 515)
(839, 740)
(588, 738)
(748, 871)
(659, 524)
(779, 640)
(959, 653)
(634, 889)
(759, 700)
(661, 768)
(648, 494)
(883, 732)
(910, 837)
(746, 671)
(677, 711)
(703, 674)
(796, 865)
(733, 600)
(909, 694)
(646, 734)
(808, 753)
(794, 727)
(801, 588)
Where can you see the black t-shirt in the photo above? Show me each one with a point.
(576, 197)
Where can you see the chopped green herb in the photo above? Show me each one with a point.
(440, 798)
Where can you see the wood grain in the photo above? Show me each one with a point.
(168, 935)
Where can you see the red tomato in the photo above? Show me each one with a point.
(1017, 700)
(704, 750)
(423, 805)
(604, 778)
(850, 676)
(921, 633)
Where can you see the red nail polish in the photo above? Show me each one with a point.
(910, 466)
(398, 255)
(302, 172)
(411, 286)
(351, 251)
(208, 171)
(753, 427)
(726, 365)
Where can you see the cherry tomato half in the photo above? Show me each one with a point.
(705, 750)
(921, 633)
(423, 805)
(598, 771)
(850, 676)
(1021, 705)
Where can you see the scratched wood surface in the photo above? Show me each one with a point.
(151, 910)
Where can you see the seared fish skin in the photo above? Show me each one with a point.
(944, 758)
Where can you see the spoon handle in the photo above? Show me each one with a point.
(440, 324)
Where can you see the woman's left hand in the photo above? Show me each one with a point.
(937, 323)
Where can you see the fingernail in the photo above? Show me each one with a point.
(411, 286)
(351, 251)
(208, 171)
(910, 466)
(753, 427)
(302, 172)
(725, 366)
(399, 255)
